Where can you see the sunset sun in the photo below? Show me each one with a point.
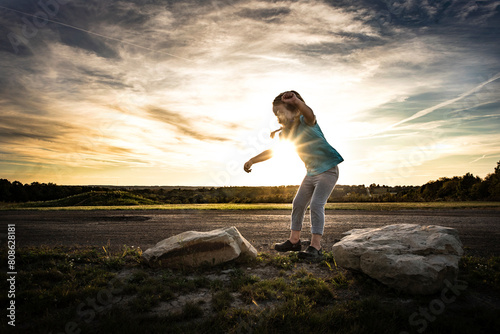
(287, 166)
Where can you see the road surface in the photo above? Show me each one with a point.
(479, 229)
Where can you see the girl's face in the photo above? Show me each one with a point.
(284, 114)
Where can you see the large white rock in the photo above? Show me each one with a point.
(193, 248)
(408, 257)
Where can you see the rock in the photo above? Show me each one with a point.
(408, 257)
(193, 248)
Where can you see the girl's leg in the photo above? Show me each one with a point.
(299, 207)
(294, 236)
(316, 240)
(324, 184)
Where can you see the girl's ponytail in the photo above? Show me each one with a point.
(274, 132)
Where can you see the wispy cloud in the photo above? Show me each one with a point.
(185, 127)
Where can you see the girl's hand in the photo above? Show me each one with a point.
(289, 97)
(248, 166)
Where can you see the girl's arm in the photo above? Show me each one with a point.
(290, 97)
(266, 155)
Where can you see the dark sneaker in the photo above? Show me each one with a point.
(288, 246)
(311, 254)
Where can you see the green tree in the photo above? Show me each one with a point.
(466, 186)
(5, 190)
(494, 183)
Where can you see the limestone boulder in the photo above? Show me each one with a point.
(192, 248)
(408, 257)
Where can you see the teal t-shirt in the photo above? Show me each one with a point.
(313, 149)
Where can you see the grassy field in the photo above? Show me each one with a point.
(91, 290)
(374, 206)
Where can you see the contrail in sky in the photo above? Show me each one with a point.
(96, 34)
(424, 112)
(443, 104)
(480, 158)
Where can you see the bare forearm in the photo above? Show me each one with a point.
(305, 110)
(258, 158)
(266, 155)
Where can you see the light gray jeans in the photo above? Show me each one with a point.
(314, 192)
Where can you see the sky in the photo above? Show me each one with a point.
(180, 92)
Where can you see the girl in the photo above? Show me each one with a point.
(320, 158)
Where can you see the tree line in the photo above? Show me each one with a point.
(458, 188)
(35, 192)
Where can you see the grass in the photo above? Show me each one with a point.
(97, 291)
(371, 206)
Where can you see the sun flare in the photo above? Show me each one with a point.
(289, 169)
(284, 149)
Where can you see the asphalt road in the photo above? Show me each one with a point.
(479, 229)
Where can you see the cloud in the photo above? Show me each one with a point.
(166, 84)
(17, 127)
(183, 126)
(411, 13)
(265, 15)
(84, 40)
